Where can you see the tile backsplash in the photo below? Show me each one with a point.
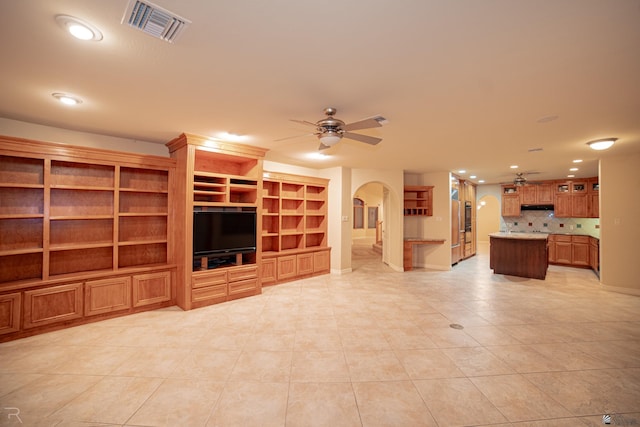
(546, 222)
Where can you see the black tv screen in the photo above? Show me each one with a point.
(223, 232)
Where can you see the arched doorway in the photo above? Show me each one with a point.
(367, 228)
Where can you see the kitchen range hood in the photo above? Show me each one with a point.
(536, 207)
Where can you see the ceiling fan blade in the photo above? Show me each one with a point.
(304, 122)
(292, 137)
(362, 138)
(362, 124)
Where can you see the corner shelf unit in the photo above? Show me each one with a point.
(294, 227)
(73, 214)
(215, 175)
(418, 200)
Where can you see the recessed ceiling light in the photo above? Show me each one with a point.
(79, 29)
(481, 181)
(473, 177)
(462, 171)
(514, 166)
(318, 156)
(577, 161)
(571, 176)
(573, 169)
(602, 144)
(231, 137)
(67, 99)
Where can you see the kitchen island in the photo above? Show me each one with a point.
(519, 254)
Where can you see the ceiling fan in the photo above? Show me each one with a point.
(520, 179)
(331, 130)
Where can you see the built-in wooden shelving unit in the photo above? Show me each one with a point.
(294, 227)
(83, 232)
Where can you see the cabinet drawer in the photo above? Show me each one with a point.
(107, 295)
(580, 239)
(243, 273)
(562, 238)
(52, 305)
(243, 286)
(210, 278)
(209, 292)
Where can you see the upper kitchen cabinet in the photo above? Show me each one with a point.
(536, 194)
(571, 199)
(593, 197)
(511, 200)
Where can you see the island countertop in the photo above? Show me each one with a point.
(519, 235)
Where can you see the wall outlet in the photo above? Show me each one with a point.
(345, 218)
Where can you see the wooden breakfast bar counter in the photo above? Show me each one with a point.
(519, 254)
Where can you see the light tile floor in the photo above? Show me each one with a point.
(369, 348)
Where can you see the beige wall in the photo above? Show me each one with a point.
(619, 229)
(488, 216)
(26, 130)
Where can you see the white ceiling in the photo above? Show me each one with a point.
(462, 83)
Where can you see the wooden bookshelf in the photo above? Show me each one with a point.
(294, 227)
(71, 216)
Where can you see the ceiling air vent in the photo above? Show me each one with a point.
(154, 20)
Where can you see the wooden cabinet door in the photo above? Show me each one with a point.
(107, 295)
(593, 205)
(304, 264)
(551, 247)
(151, 288)
(10, 305)
(52, 305)
(562, 206)
(544, 194)
(579, 206)
(511, 205)
(286, 267)
(594, 253)
(580, 254)
(563, 252)
(269, 271)
(528, 195)
(321, 261)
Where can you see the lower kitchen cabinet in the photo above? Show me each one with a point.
(570, 250)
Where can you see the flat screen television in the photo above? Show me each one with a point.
(223, 232)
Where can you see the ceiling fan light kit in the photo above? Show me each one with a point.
(331, 130)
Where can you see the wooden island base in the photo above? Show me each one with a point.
(519, 254)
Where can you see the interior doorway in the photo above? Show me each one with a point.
(368, 228)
